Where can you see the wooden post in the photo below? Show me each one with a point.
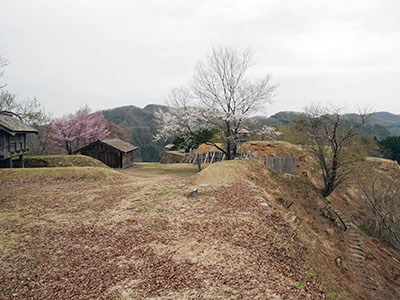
(199, 164)
(212, 158)
(205, 160)
(8, 163)
(21, 163)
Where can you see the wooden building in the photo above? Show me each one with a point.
(243, 135)
(170, 147)
(113, 152)
(13, 140)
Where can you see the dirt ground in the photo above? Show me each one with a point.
(81, 233)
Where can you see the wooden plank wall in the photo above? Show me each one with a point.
(282, 164)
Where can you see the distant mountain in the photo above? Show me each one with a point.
(283, 118)
(388, 120)
(381, 124)
(140, 123)
(153, 108)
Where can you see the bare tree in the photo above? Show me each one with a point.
(29, 110)
(3, 62)
(331, 137)
(382, 203)
(220, 95)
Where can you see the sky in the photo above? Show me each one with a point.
(109, 53)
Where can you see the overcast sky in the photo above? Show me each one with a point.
(108, 53)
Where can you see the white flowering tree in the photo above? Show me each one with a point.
(266, 133)
(220, 95)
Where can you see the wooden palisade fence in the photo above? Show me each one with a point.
(212, 157)
(282, 164)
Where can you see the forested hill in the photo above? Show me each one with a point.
(140, 124)
(381, 124)
(388, 120)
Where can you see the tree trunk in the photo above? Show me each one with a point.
(234, 150)
(331, 178)
(228, 149)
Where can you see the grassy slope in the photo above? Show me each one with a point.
(301, 202)
(51, 161)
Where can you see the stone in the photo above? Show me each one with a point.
(193, 193)
(268, 212)
(260, 198)
(265, 204)
(181, 185)
(256, 191)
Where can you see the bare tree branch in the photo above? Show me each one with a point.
(330, 134)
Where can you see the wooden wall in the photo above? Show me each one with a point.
(281, 164)
(109, 156)
(12, 145)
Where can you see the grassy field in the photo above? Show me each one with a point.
(97, 233)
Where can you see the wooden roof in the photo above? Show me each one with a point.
(170, 146)
(203, 148)
(119, 144)
(12, 125)
(115, 143)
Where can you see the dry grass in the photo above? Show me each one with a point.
(220, 173)
(87, 233)
(204, 148)
(20, 176)
(271, 148)
(136, 234)
(148, 170)
(51, 161)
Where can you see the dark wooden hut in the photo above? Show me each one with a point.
(13, 140)
(113, 152)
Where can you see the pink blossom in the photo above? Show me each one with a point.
(74, 131)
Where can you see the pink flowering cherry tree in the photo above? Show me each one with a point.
(74, 131)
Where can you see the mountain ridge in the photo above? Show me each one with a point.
(141, 125)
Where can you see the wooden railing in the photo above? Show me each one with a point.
(212, 157)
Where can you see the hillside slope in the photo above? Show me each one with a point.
(357, 265)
